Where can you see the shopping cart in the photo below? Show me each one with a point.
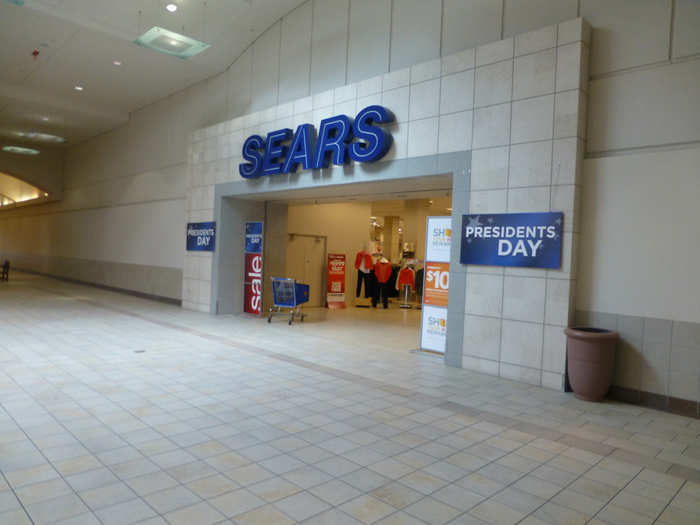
(290, 295)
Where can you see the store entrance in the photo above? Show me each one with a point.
(381, 242)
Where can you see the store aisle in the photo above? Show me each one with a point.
(115, 409)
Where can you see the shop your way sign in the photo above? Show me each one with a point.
(201, 236)
(530, 240)
(338, 140)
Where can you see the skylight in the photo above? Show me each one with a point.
(171, 43)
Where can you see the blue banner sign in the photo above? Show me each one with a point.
(201, 236)
(531, 240)
(335, 142)
(253, 237)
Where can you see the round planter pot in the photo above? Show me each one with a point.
(590, 358)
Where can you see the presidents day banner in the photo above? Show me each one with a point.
(531, 240)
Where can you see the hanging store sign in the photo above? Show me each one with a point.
(339, 139)
(201, 236)
(436, 285)
(531, 240)
(335, 296)
(253, 277)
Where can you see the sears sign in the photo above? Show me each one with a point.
(339, 139)
(531, 240)
(201, 236)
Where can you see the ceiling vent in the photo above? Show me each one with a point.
(171, 43)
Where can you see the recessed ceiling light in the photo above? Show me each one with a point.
(40, 137)
(45, 119)
(171, 7)
(171, 43)
(117, 62)
(46, 194)
(78, 88)
(20, 151)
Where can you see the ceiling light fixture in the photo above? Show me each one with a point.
(20, 150)
(40, 137)
(45, 119)
(171, 43)
(171, 7)
(78, 88)
(117, 62)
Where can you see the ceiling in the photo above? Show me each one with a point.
(78, 41)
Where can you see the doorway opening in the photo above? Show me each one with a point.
(381, 240)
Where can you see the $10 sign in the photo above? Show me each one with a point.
(437, 283)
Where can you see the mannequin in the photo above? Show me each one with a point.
(382, 270)
(364, 266)
(406, 277)
(407, 281)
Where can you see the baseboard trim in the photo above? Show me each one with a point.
(134, 293)
(675, 405)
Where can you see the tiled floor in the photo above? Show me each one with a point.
(117, 410)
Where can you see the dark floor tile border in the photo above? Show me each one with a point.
(658, 465)
(684, 472)
(626, 395)
(543, 432)
(498, 419)
(683, 407)
(673, 469)
(637, 336)
(675, 405)
(586, 444)
(134, 293)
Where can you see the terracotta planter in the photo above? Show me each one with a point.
(590, 361)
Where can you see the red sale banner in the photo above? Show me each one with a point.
(252, 283)
(335, 296)
(253, 277)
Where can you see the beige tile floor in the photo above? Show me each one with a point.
(117, 410)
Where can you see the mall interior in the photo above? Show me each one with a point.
(350, 262)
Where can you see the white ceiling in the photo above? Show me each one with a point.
(79, 39)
